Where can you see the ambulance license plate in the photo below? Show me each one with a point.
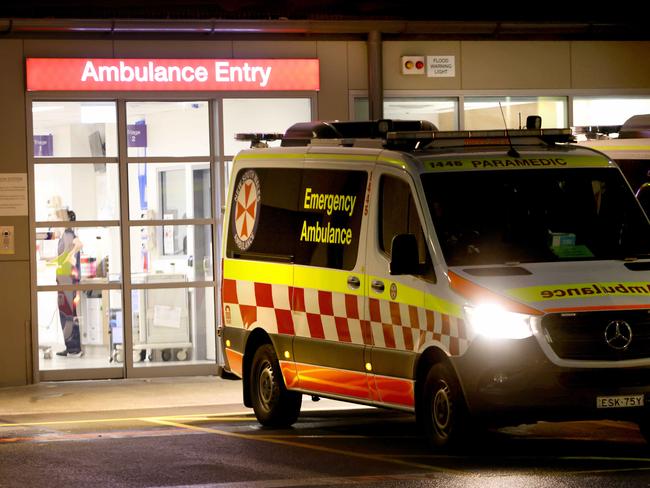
(619, 401)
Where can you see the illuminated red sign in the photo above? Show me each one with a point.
(79, 74)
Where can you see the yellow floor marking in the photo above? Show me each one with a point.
(193, 417)
(370, 457)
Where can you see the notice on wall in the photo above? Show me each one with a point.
(441, 66)
(13, 194)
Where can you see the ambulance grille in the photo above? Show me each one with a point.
(582, 336)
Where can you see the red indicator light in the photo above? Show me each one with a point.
(419, 65)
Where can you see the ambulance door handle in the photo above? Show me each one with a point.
(354, 282)
(378, 286)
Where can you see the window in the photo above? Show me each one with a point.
(167, 129)
(263, 218)
(74, 129)
(443, 112)
(607, 110)
(92, 317)
(169, 191)
(310, 217)
(260, 115)
(91, 190)
(98, 260)
(331, 206)
(544, 216)
(398, 215)
(158, 249)
(484, 113)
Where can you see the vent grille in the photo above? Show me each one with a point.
(581, 336)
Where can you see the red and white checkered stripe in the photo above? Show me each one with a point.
(406, 327)
(332, 316)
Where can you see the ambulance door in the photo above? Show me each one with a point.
(257, 269)
(394, 304)
(329, 284)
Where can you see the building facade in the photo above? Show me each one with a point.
(145, 170)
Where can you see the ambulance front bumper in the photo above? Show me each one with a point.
(513, 380)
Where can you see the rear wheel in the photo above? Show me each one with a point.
(273, 404)
(443, 412)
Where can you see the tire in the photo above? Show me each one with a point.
(443, 413)
(273, 404)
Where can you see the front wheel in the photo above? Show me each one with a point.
(273, 404)
(443, 411)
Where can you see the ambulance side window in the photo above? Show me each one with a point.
(264, 214)
(329, 222)
(398, 215)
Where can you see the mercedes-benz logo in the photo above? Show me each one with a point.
(618, 335)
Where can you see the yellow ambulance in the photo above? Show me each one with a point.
(468, 277)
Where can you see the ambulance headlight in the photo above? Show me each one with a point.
(494, 322)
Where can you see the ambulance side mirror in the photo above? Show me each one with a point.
(404, 255)
(643, 195)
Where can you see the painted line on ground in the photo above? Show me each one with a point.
(324, 481)
(226, 417)
(340, 452)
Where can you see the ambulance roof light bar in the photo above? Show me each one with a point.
(482, 137)
(259, 139)
(403, 135)
(432, 140)
(342, 133)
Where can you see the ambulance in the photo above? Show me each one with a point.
(471, 278)
(628, 145)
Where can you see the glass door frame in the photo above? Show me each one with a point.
(111, 372)
(217, 163)
(175, 368)
(125, 369)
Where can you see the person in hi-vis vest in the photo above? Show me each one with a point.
(68, 273)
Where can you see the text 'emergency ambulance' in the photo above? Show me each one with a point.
(329, 203)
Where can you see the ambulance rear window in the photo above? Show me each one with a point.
(294, 215)
(329, 220)
(263, 214)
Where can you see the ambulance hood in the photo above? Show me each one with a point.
(564, 285)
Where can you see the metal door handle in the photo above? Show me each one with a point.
(378, 286)
(354, 282)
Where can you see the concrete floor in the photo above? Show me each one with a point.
(64, 397)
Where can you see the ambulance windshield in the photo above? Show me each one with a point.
(522, 215)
